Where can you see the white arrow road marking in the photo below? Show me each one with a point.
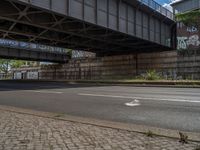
(133, 103)
(141, 98)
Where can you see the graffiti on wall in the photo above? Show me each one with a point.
(31, 46)
(188, 37)
(185, 42)
(192, 29)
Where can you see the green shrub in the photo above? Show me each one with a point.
(152, 75)
(189, 18)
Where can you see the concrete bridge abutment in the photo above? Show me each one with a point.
(169, 64)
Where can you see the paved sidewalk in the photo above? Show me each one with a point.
(28, 132)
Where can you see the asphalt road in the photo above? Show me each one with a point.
(172, 108)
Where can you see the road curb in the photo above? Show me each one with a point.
(141, 84)
(121, 83)
(102, 123)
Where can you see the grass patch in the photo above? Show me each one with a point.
(59, 115)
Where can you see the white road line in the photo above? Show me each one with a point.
(45, 92)
(140, 98)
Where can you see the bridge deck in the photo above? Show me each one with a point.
(103, 26)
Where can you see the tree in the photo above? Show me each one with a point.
(4, 65)
(17, 63)
(189, 18)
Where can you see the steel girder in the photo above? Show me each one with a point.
(26, 23)
(22, 54)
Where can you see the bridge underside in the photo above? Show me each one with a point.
(23, 22)
(22, 54)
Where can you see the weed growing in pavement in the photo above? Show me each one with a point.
(183, 138)
(51, 147)
(149, 134)
(197, 148)
(59, 115)
(24, 141)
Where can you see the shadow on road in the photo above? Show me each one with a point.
(14, 85)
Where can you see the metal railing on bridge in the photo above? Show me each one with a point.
(159, 8)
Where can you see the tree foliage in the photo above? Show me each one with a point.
(189, 18)
(6, 64)
(17, 63)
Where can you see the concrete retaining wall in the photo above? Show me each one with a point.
(171, 64)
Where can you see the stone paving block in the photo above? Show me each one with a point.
(28, 132)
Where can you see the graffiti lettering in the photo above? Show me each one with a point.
(192, 29)
(32, 46)
(193, 40)
(185, 42)
(182, 44)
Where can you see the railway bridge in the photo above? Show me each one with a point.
(105, 27)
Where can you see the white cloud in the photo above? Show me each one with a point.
(168, 6)
(174, 1)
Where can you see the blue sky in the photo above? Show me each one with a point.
(163, 1)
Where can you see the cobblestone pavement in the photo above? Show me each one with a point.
(28, 132)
